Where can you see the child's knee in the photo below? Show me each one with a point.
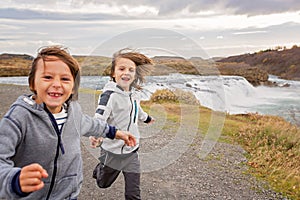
(102, 184)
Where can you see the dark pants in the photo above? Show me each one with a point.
(110, 167)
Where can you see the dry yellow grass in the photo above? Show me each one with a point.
(272, 144)
(274, 151)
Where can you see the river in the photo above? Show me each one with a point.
(231, 94)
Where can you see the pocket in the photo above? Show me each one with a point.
(66, 187)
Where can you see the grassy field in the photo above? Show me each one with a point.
(272, 144)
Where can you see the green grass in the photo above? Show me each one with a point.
(89, 91)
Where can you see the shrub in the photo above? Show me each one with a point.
(164, 95)
(177, 95)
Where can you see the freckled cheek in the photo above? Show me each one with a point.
(69, 87)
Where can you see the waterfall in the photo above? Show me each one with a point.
(221, 93)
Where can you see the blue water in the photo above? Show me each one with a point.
(232, 94)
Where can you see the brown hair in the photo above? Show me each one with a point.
(142, 62)
(62, 54)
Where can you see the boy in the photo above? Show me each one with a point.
(40, 156)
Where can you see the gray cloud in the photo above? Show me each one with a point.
(253, 7)
(82, 30)
(25, 14)
(258, 7)
(172, 7)
(5, 39)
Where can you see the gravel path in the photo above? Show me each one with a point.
(220, 175)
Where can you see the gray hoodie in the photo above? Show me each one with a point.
(29, 136)
(122, 110)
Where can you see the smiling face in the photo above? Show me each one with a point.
(53, 83)
(124, 73)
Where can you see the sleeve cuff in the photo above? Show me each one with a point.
(148, 119)
(111, 132)
(16, 185)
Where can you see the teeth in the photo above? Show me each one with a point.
(54, 94)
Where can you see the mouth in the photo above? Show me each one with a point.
(54, 94)
(125, 78)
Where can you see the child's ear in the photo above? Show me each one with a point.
(31, 87)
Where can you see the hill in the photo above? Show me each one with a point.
(19, 65)
(280, 61)
(15, 64)
(255, 67)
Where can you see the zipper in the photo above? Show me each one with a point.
(59, 146)
(130, 112)
(133, 105)
(135, 111)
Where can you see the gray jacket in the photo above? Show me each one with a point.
(122, 110)
(28, 136)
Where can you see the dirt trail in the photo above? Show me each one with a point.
(219, 176)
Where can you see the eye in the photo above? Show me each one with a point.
(65, 79)
(132, 70)
(47, 77)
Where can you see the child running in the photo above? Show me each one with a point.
(40, 156)
(119, 105)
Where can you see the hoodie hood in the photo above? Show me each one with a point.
(112, 86)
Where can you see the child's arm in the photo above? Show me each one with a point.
(90, 126)
(127, 137)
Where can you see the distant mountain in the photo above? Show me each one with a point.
(280, 61)
(19, 65)
(255, 67)
(15, 64)
(11, 56)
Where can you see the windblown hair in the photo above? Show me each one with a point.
(144, 65)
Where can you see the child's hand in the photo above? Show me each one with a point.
(95, 142)
(152, 121)
(31, 178)
(128, 138)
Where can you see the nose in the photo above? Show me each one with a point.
(56, 82)
(126, 71)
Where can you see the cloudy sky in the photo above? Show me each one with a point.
(215, 27)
